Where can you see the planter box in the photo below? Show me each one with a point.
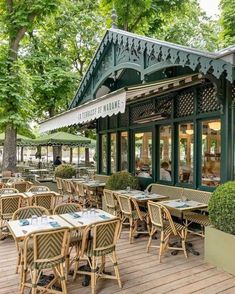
(220, 249)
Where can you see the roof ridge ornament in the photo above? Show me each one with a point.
(114, 18)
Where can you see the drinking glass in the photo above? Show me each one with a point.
(34, 220)
(44, 219)
(128, 188)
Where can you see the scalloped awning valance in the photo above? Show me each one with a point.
(107, 105)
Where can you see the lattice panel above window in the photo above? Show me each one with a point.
(123, 119)
(207, 100)
(164, 106)
(184, 104)
(137, 111)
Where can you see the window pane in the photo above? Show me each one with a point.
(186, 153)
(165, 153)
(143, 154)
(104, 153)
(113, 153)
(124, 151)
(211, 150)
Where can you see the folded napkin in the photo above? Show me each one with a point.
(54, 224)
(74, 214)
(183, 205)
(23, 222)
(103, 216)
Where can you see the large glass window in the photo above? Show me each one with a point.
(165, 153)
(185, 162)
(104, 153)
(124, 151)
(113, 152)
(143, 154)
(211, 151)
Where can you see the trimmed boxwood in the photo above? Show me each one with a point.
(122, 180)
(65, 171)
(222, 208)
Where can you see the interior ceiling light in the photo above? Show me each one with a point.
(189, 132)
(215, 125)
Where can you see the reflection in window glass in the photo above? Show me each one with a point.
(165, 153)
(143, 154)
(186, 153)
(104, 153)
(124, 151)
(113, 152)
(211, 150)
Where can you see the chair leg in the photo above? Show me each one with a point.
(131, 230)
(63, 280)
(153, 230)
(34, 281)
(161, 246)
(183, 239)
(93, 275)
(117, 274)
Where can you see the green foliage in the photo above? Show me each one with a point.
(65, 171)
(222, 206)
(228, 22)
(122, 180)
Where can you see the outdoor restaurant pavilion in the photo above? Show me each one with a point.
(162, 111)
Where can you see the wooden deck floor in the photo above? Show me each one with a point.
(140, 272)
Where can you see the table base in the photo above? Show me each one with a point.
(189, 248)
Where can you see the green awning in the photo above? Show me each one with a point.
(61, 138)
(21, 140)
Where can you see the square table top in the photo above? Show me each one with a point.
(140, 195)
(19, 232)
(87, 217)
(180, 205)
(31, 194)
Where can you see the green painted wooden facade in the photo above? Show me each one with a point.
(125, 59)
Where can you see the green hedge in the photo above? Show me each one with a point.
(122, 180)
(65, 171)
(222, 208)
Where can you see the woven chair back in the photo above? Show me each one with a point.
(39, 189)
(9, 204)
(7, 191)
(21, 186)
(155, 213)
(29, 211)
(59, 184)
(45, 200)
(15, 180)
(49, 247)
(125, 204)
(80, 189)
(109, 198)
(67, 208)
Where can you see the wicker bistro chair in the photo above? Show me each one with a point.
(102, 244)
(7, 191)
(22, 186)
(39, 189)
(2, 185)
(46, 200)
(59, 184)
(161, 220)
(130, 210)
(69, 190)
(75, 236)
(93, 198)
(8, 205)
(37, 257)
(81, 193)
(24, 213)
(197, 217)
(111, 202)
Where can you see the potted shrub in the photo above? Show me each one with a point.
(220, 237)
(121, 180)
(65, 171)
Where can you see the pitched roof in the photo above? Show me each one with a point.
(216, 63)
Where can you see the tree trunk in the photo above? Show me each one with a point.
(9, 149)
(86, 156)
(71, 155)
(57, 151)
(22, 154)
